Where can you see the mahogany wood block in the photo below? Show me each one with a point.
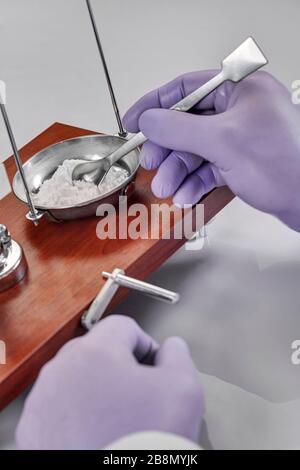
(65, 263)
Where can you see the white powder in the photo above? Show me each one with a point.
(58, 191)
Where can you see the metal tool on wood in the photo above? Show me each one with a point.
(115, 280)
(13, 265)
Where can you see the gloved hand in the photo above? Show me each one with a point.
(97, 390)
(251, 143)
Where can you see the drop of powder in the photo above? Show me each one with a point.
(58, 191)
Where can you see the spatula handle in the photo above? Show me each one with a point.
(183, 105)
(135, 141)
(198, 95)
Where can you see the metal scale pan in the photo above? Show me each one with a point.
(38, 168)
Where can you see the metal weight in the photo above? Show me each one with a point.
(13, 264)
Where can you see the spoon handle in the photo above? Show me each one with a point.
(135, 141)
(183, 105)
(200, 93)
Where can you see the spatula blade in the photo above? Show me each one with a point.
(245, 59)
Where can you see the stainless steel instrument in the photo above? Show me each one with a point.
(244, 60)
(13, 265)
(38, 168)
(114, 280)
(122, 132)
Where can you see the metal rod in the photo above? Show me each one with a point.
(144, 287)
(100, 304)
(114, 280)
(33, 214)
(122, 131)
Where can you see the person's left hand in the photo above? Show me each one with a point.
(98, 389)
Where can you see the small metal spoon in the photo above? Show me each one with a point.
(244, 60)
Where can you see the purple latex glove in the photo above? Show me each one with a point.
(97, 390)
(251, 143)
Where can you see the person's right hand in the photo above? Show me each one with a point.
(251, 143)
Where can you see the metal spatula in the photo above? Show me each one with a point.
(244, 60)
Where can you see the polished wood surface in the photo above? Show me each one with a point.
(65, 262)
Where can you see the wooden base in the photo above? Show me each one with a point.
(65, 263)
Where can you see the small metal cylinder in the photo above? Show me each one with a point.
(148, 289)
(13, 264)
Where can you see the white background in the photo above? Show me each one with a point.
(240, 308)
